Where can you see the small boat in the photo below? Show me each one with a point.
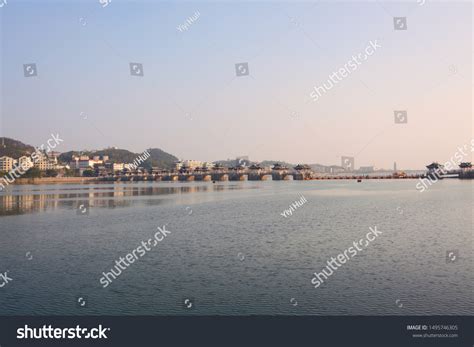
(359, 180)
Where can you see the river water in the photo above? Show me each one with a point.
(231, 252)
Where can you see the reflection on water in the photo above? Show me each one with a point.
(28, 199)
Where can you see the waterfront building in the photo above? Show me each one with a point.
(74, 163)
(25, 162)
(83, 162)
(6, 163)
(86, 164)
(319, 168)
(335, 169)
(192, 163)
(100, 170)
(112, 167)
(46, 163)
(54, 154)
(465, 166)
(117, 166)
(366, 169)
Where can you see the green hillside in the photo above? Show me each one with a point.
(157, 158)
(13, 148)
(161, 159)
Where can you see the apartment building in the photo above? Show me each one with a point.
(6, 163)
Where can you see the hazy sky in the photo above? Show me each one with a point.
(191, 104)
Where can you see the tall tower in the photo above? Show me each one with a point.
(395, 166)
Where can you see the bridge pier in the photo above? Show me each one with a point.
(238, 177)
(202, 177)
(254, 176)
(466, 174)
(278, 176)
(170, 178)
(186, 178)
(220, 177)
(298, 176)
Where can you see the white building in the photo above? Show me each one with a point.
(25, 162)
(46, 163)
(366, 169)
(117, 166)
(189, 164)
(6, 163)
(84, 162)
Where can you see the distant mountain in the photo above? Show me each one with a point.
(161, 159)
(13, 148)
(157, 158)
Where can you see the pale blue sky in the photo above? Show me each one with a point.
(83, 72)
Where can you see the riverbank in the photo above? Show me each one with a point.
(46, 180)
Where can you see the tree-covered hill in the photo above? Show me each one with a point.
(14, 148)
(158, 157)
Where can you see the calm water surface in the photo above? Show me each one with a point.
(232, 253)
